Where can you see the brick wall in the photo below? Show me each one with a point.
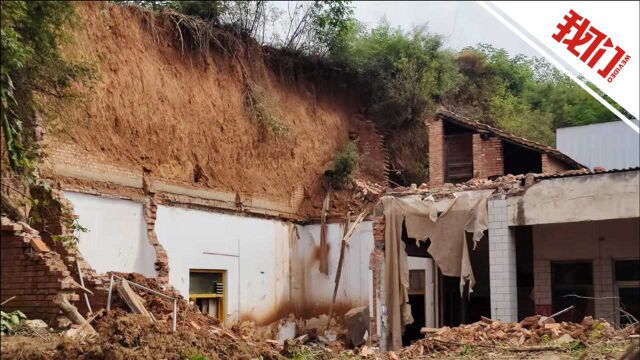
(436, 151)
(33, 277)
(52, 220)
(552, 165)
(487, 157)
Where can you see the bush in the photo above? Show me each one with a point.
(344, 165)
(10, 321)
(263, 109)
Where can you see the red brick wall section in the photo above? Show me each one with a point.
(34, 278)
(487, 157)
(553, 165)
(436, 151)
(162, 260)
(51, 223)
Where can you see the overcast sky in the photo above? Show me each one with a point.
(461, 23)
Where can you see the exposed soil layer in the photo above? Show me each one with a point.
(180, 113)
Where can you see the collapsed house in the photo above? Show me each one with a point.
(505, 229)
(426, 256)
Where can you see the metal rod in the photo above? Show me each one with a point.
(109, 295)
(562, 311)
(86, 297)
(175, 315)
(220, 254)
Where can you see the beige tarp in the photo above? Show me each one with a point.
(467, 212)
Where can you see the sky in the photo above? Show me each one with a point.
(461, 23)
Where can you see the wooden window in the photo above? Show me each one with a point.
(459, 157)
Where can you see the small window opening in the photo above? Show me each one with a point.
(519, 160)
(207, 290)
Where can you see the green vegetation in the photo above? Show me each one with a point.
(32, 65)
(263, 109)
(9, 322)
(408, 73)
(344, 165)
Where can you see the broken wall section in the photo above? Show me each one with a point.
(32, 273)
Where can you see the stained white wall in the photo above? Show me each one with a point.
(254, 252)
(269, 273)
(356, 280)
(117, 236)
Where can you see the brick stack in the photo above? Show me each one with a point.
(33, 277)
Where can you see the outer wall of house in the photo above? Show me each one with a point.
(269, 273)
(598, 242)
(592, 218)
(117, 236)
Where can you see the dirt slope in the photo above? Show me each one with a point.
(180, 113)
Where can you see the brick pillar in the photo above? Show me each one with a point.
(502, 264)
(603, 290)
(436, 151)
(487, 157)
(542, 286)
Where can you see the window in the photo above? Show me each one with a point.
(627, 275)
(207, 289)
(572, 284)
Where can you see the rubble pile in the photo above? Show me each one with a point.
(507, 184)
(533, 333)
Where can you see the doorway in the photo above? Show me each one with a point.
(421, 298)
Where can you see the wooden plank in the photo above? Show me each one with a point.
(133, 300)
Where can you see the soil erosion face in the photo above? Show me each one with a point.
(181, 113)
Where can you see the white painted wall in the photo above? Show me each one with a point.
(356, 281)
(578, 198)
(254, 252)
(268, 273)
(117, 236)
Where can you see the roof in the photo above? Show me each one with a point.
(508, 137)
(581, 172)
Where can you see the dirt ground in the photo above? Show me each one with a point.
(180, 114)
(133, 337)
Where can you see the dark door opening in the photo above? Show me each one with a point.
(417, 302)
(456, 309)
(627, 276)
(524, 271)
(572, 284)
